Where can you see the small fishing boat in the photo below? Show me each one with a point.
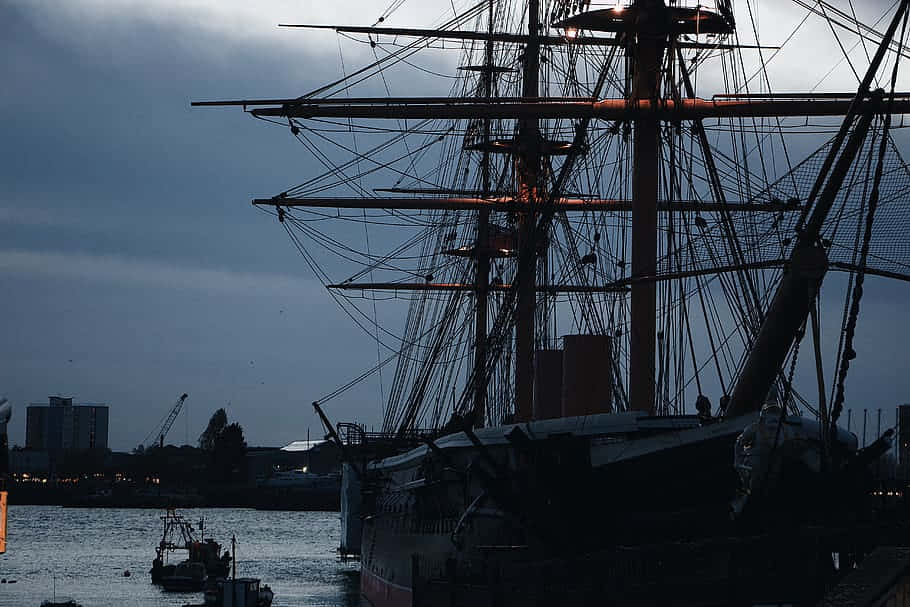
(236, 592)
(179, 534)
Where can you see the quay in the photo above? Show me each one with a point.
(882, 579)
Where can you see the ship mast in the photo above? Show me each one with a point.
(482, 246)
(527, 173)
(647, 50)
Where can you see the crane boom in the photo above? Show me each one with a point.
(172, 416)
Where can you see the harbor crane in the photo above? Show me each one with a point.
(165, 427)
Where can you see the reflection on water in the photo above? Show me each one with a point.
(87, 552)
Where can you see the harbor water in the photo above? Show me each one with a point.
(84, 552)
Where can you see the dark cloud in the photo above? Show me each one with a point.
(125, 194)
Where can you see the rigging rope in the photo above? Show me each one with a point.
(745, 156)
(849, 353)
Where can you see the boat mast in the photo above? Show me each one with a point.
(646, 48)
(482, 246)
(527, 173)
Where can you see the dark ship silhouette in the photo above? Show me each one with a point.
(582, 182)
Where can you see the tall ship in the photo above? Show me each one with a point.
(607, 240)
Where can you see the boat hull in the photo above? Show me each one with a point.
(435, 519)
(380, 592)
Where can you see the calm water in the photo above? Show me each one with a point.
(87, 551)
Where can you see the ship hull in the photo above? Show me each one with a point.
(445, 517)
(380, 592)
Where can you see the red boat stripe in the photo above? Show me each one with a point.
(383, 593)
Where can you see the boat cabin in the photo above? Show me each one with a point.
(238, 592)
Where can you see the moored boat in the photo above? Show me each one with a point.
(514, 449)
(236, 592)
(179, 535)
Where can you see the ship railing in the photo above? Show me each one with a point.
(355, 435)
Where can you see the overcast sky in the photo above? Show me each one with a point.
(132, 267)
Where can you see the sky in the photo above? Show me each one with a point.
(132, 266)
